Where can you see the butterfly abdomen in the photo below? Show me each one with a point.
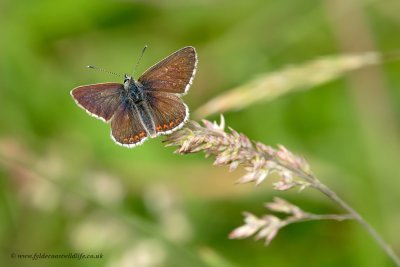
(146, 118)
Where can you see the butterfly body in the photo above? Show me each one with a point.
(135, 100)
(148, 107)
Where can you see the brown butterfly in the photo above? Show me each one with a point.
(149, 106)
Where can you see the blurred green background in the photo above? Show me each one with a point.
(66, 187)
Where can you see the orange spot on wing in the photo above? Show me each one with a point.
(167, 126)
(134, 139)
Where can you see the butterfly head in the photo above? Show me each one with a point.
(128, 81)
(127, 78)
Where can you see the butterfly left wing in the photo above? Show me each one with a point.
(168, 111)
(99, 100)
(173, 74)
(126, 127)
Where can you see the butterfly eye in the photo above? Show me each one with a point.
(127, 78)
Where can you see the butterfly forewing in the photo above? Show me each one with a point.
(126, 127)
(99, 100)
(168, 111)
(174, 74)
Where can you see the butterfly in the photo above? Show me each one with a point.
(147, 107)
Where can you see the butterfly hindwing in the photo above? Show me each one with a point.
(173, 74)
(126, 127)
(168, 111)
(99, 100)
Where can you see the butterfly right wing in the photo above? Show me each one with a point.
(99, 100)
(174, 74)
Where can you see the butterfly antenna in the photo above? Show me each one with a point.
(137, 63)
(103, 70)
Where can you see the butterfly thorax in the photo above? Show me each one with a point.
(134, 90)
